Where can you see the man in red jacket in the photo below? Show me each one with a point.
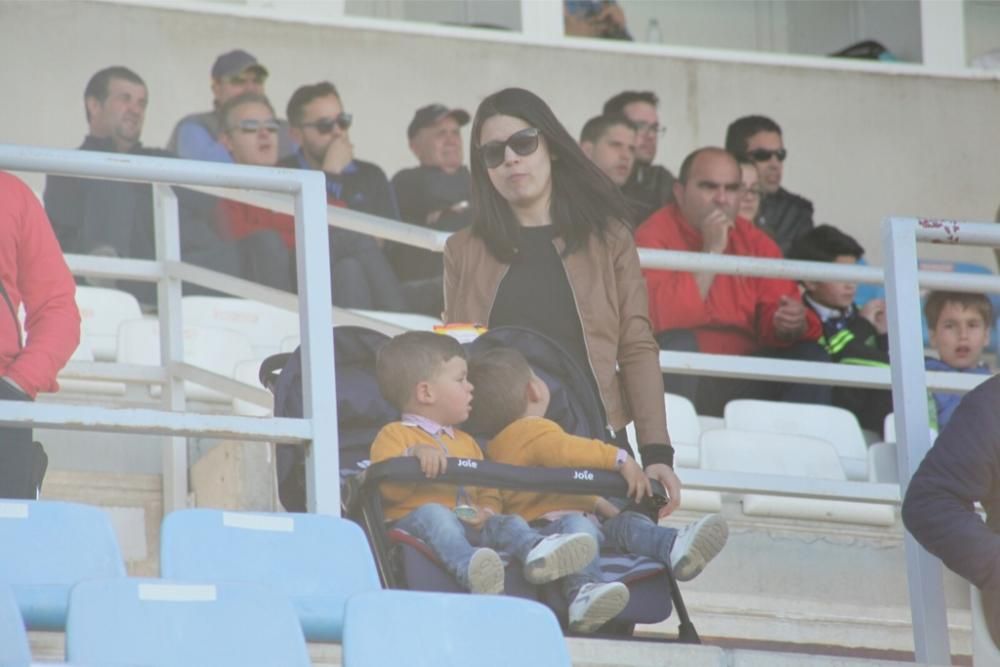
(718, 313)
(33, 274)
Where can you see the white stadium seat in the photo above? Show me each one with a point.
(83, 352)
(102, 310)
(263, 324)
(731, 450)
(216, 350)
(247, 372)
(835, 425)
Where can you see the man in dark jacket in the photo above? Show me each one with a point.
(963, 467)
(360, 273)
(783, 215)
(115, 218)
(649, 187)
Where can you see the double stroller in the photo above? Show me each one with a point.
(404, 561)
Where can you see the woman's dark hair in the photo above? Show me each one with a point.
(584, 200)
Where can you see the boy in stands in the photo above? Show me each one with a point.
(423, 375)
(511, 402)
(851, 335)
(959, 325)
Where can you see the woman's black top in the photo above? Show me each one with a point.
(536, 294)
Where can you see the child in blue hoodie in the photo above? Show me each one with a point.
(959, 326)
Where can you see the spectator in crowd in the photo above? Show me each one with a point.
(550, 251)
(511, 402)
(595, 18)
(650, 185)
(360, 273)
(33, 274)
(266, 240)
(197, 136)
(423, 375)
(851, 335)
(961, 469)
(434, 194)
(959, 326)
(115, 218)
(783, 215)
(609, 141)
(750, 201)
(718, 313)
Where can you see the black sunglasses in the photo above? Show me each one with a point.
(523, 143)
(253, 126)
(763, 155)
(343, 120)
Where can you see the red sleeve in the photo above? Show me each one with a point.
(674, 299)
(45, 286)
(770, 291)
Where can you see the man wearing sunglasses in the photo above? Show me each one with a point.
(434, 194)
(196, 136)
(783, 215)
(649, 186)
(361, 274)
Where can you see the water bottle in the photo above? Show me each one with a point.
(653, 33)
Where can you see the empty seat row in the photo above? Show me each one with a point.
(241, 589)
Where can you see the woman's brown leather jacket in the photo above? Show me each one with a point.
(611, 300)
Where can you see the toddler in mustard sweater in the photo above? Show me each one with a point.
(511, 401)
(423, 375)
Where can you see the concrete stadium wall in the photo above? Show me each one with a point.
(863, 144)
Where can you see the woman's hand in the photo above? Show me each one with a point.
(665, 475)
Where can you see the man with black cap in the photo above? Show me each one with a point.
(435, 194)
(196, 136)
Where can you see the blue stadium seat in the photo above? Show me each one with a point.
(156, 623)
(446, 629)
(49, 546)
(14, 649)
(318, 561)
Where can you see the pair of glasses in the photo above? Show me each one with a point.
(244, 79)
(342, 120)
(650, 128)
(763, 155)
(753, 192)
(253, 126)
(523, 143)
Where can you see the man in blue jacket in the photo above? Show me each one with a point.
(963, 467)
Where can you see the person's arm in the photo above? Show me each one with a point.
(639, 364)
(674, 297)
(780, 314)
(391, 443)
(961, 468)
(551, 447)
(47, 289)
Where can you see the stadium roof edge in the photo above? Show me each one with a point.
(577, 43)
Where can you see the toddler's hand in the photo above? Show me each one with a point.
(433, 462)
(638, 483)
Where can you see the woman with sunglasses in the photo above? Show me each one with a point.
(549, 250)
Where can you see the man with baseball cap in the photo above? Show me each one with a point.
(196, 136)
(436, 193)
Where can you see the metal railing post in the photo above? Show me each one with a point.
(909, 401)
(168, 294)
(316, 326)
